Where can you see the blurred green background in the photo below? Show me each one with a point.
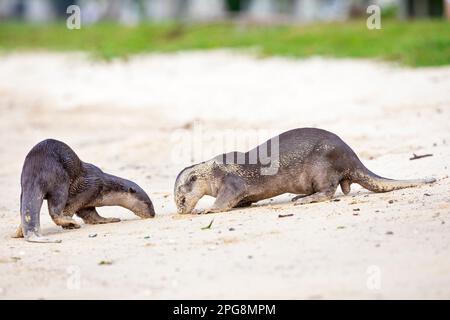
(282, 28)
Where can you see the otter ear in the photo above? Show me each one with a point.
(131, 190)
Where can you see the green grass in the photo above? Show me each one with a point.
(416, 43)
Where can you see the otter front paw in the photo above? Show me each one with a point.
(71, 226)
(199, 212)
(66, 222)
(212, 210)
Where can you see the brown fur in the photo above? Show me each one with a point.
(311, 163)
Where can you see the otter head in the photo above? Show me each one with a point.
(125, 193)
(139, 201)
(190, 186)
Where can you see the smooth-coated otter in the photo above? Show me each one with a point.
(308, 162)
(53, 171)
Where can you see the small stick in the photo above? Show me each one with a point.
(209, 225)
(415, 156)
(285, 215)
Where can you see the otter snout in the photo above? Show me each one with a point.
(190, 187)
(142, 203)
(134, 199)
(149, 212)
(181, 204)
(185, 202)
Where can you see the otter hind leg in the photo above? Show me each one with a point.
(315, 197)
(299, 197)
(91, 216)
(324, 186)
(323, 194)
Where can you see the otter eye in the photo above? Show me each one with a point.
(192, 178)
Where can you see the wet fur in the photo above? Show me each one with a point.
(312, 164)
(53, 172)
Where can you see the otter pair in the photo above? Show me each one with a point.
(308, 162)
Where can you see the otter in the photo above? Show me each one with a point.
(52, 171)
(308, 162)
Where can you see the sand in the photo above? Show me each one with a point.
(148, 117)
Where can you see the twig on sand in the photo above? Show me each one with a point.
(285, 215)
(209, 225)
(415, 156)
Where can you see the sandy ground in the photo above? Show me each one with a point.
(148, 117)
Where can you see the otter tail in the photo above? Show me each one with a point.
(375, 183)
(30, 207)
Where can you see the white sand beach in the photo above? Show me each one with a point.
(148, 117)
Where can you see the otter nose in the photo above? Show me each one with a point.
(151, 210)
